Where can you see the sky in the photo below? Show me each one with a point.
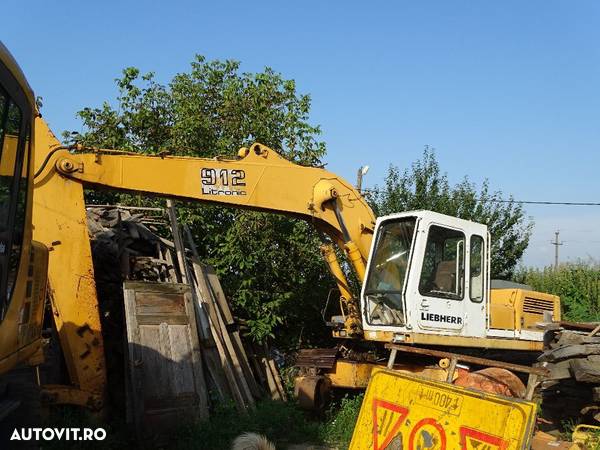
(505, 91)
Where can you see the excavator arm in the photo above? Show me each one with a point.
(259, 179)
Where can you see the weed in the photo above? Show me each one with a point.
(341, 419)
(280, 422)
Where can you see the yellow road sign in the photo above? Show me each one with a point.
(402, 412)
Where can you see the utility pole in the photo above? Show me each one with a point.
(556, 243)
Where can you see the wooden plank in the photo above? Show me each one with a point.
(226, 362)
(245, 363)
(185, 270)
(218, 324)
(238, 347)
(218, 337)
(216, 372)
(234, 358)
(576, 337)
(190, 239)
(560, 370)
(275, 373)
(134, 352)
(571, 351)
(179, 247)
(258, 370)
(271, 384)
(324, 358)
(594, 331)
(192, 335)
(148, 319)
(583, 326)
(165, 288)
(201, 313)
(218, 294)
(171, 266)
(278, 382)
(151, 303)
(451, 370)
(585, 371)
(129, 419)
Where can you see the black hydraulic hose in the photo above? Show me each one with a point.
(47, 158)
(340, 220)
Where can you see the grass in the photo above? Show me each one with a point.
(280, 422)
(337, 430)
(283, 423)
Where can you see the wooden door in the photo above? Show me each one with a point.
(166, 379)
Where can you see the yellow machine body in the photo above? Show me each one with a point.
(520, 309)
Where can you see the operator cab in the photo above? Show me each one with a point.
(427, 273)
(16, 114)
(23, 263)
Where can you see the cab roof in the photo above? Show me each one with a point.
(433, 216)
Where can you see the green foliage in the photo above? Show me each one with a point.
(577, 285)
(280, 422)
(425, 186)
(211, 110)
(337, 430)
(269, 265)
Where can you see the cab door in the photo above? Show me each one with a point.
(21, 265)
(14, 164)
(448, 297)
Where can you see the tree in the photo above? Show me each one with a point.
(270, 265)
(424, 186)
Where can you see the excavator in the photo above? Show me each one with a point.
(424, 276)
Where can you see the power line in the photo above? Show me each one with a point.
(545, 203)
(526, 202)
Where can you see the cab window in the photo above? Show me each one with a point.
(443, 270)
(6, 171)
(388, 270)
(14, 159)
(476, 266)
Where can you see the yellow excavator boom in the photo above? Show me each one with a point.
(259, 179)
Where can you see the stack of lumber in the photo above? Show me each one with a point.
(573, 388)
(127, 241)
